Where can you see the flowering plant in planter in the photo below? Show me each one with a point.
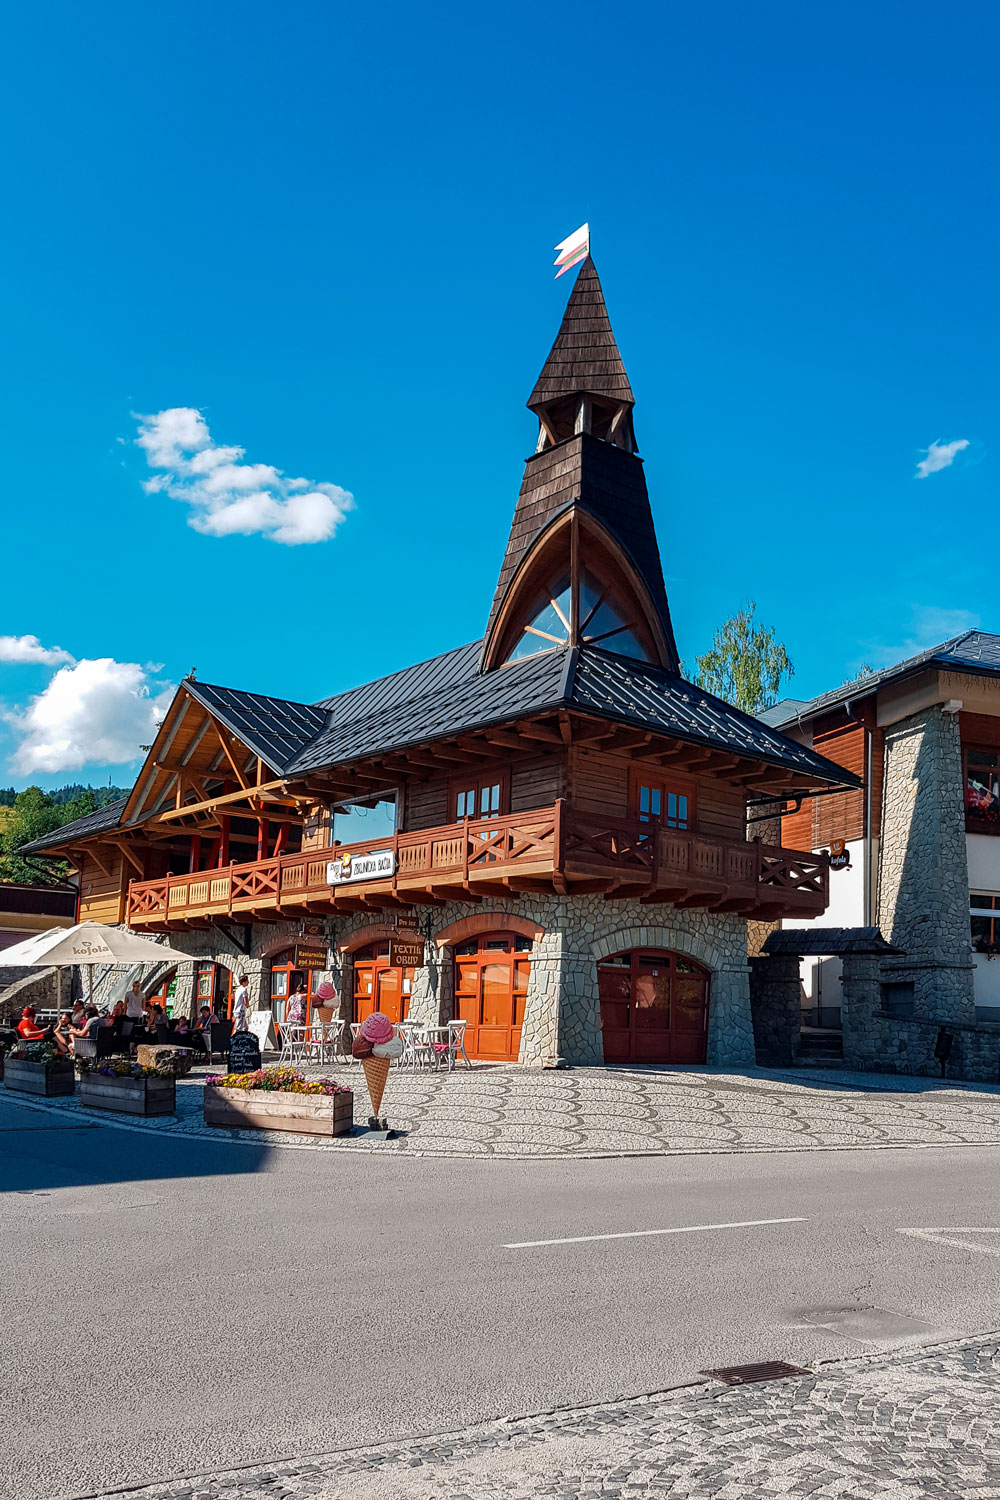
(120, 1067)
(37, 1052)
(278, 1081)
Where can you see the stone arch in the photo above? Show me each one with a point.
(672, 939)
(467, 927)
(277, 945)
(378, 932)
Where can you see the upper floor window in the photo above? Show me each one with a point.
(605, 620)
(984, 912)
(363, 819)
(483, 797)
(666, 800)
(982, 789)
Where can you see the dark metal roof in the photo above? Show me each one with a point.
(618, 688)
(972, 651)
(824, 941)
(83, 828)
(444, 705)
(399, 687)
(276, 729)
(452, 697)
(584, 358)
(781, 713)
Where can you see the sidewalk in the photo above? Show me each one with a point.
(503, 1111)
(918, 1425)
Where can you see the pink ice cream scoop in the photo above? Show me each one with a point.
(377, 1028)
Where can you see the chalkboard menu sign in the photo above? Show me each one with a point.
(244, 1052)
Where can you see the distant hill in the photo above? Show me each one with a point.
(31, 814)
(71, 793)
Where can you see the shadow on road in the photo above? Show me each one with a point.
(42, 1151)
(768, 1079)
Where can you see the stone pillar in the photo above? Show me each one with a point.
(730, 1022)
(776, 1007)
(860, 985)
(554, 981)
(923, 887)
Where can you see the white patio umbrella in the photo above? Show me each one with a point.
(87, 944)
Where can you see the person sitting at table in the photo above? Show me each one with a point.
(61, 1032)
(27, 1028)
(79, 1016)
(156, 1017)
(84, 1037)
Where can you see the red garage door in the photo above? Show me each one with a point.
(654, 1008)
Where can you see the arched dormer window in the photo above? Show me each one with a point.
(605, 620)
(574, 588)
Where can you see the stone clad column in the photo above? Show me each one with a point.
(776, 1006)
(923, 888)
(860, 986)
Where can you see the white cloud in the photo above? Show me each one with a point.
(229, 497)
(94, 712)
(28, 648)
(939, 456)
(930, 625)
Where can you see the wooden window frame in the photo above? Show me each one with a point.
(976, 822)
(479, 776)
(667, 781)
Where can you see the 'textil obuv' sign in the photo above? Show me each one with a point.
(378, 866)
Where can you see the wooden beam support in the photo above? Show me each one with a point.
(533, 730)
(186, 809)
(228, 747)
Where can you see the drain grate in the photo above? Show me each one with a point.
(775, 1369)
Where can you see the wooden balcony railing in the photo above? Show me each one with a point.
(551, 847)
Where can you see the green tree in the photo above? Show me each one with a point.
(33, 815)
(745, 664)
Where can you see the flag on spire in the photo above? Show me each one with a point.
(572, 250)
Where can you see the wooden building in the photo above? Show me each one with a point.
(553, 809)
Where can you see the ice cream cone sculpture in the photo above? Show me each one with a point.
(376, 1073)
(375, 1046)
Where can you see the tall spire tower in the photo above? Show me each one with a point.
(582, 566)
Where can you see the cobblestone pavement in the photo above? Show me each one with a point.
(906, 1426)
(494, 1111)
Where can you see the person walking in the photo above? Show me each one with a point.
(134, 1002)
(241, 997)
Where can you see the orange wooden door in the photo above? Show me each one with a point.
(491, 985)
(654, 1008)
(378, 986)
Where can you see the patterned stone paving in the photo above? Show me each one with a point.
(907, 1426)
(494, 1111)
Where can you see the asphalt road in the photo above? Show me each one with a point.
(174, 1305)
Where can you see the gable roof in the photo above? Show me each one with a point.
(276, 729)
(100, 821)
(975, 651)
(584, 358)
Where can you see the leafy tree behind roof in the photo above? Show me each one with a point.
(32, 813)
(744, 665)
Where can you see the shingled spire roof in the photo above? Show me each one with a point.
(584, 358)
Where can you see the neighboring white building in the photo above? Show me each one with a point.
(922, 835)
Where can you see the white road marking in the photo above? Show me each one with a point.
(946, 1236)
(638, 1234)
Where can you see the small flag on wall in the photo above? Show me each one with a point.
(572, 250)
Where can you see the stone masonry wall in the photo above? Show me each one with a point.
(923, 885)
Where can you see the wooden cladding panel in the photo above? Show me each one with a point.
(538, 782)
(980, 730)
(841, 815)
(101, 892)
(535, 782)
(316, 827)
(426, 804)
(598, 783)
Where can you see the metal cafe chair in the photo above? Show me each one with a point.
(456, 1037)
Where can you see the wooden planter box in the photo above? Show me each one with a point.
(129, 1096)
(299, 1114)
(39, 1078)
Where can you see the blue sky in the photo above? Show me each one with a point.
(329, 230)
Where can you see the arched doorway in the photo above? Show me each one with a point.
(491, 984)
(379, 986)
(654, 1007)
(284, 978)
(165, 991)
(214, 988)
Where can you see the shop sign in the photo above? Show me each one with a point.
(308, 956)
(378, 866)
(406, 951)
(840, 855)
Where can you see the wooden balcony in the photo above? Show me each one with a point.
(555, 850)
